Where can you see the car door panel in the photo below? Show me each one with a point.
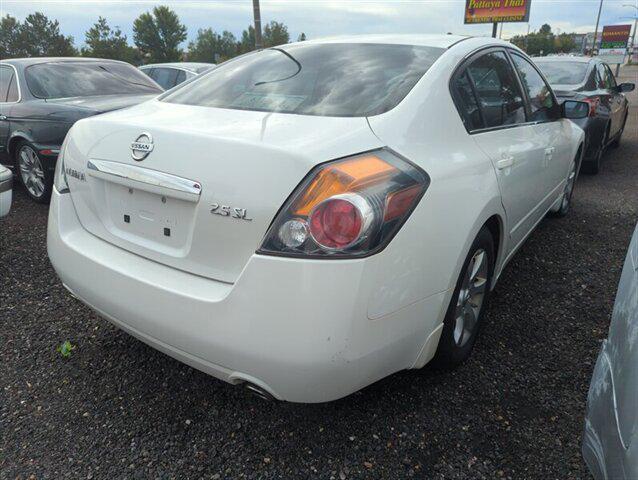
(517, 155)
(6, 77)
(616, 100)
(554, 132)
(516, 150)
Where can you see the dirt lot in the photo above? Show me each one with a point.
(119, 409)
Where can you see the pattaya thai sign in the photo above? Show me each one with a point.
(490, 11)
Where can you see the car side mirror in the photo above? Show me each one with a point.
(625, 87)
(574, 110)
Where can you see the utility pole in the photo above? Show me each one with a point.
(258, 43)
(494, 29)
(527, 38)
(633, 37)
(500, 33)
(593, 47)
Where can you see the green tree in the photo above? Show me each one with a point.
(275, 33)
(302, 37)
(209, 46)
(247, 42)
(158, 35)
(564, 43)
(104, 42)
(9, 28)
(536, 43)
(37, 36)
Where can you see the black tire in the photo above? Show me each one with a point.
(595, 166)
(453, 348)
(616, 142)
(37, 181)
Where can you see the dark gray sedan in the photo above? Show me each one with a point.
(592, 81)
(41, 98)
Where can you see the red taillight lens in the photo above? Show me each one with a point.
(349, 207)
(339, 221)
(593, 104)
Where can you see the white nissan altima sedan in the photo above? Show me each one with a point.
(308, 219)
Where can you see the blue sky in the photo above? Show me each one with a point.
(318, 18)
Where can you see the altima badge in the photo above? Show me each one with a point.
(142, 146)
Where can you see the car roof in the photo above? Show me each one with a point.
(25, 62)
(565, 58)
(186, 65)
(434, 40)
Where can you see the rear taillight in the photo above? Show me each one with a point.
(59, 178)
(347, 208)
(593, 104)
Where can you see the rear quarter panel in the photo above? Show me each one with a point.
(431, 247)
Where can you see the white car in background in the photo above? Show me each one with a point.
(6, 192)
(169, 75)
(308, 219)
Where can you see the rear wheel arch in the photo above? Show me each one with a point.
(497, 228)
(13, 145)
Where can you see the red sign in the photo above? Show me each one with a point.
(615, 36)
(490, 11)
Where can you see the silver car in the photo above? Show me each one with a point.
(168, 75)
(610, 439)
(6, 183)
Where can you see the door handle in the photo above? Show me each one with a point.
(505, 162)
(3, 117)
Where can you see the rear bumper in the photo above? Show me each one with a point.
(298, 329)
(594, 129)
(6, 192)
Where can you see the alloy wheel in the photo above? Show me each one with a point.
(470, 299)
(31, 171)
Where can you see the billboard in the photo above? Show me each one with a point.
(615, 37)
(613, 45)
(491, 11)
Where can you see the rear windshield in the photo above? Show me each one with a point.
(85, 79)
(564, 73)
(345, 80)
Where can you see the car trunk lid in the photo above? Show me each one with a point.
(203, 197)
(103, 103)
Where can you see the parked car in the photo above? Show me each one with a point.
(169, 75)
(40, 98)
(591, 80)
(610, 440)
(310, 218)
(6, 185)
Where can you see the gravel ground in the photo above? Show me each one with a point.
(119, 409)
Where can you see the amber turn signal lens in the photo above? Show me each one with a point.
(343, 177)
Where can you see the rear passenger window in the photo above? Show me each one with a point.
(542, 105)
(165, 77)
(13, 94)
(467, 103)
(181, 77)
(6, 76)
(610, 80)
(498, 93)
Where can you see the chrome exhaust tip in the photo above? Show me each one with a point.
(258, 391)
